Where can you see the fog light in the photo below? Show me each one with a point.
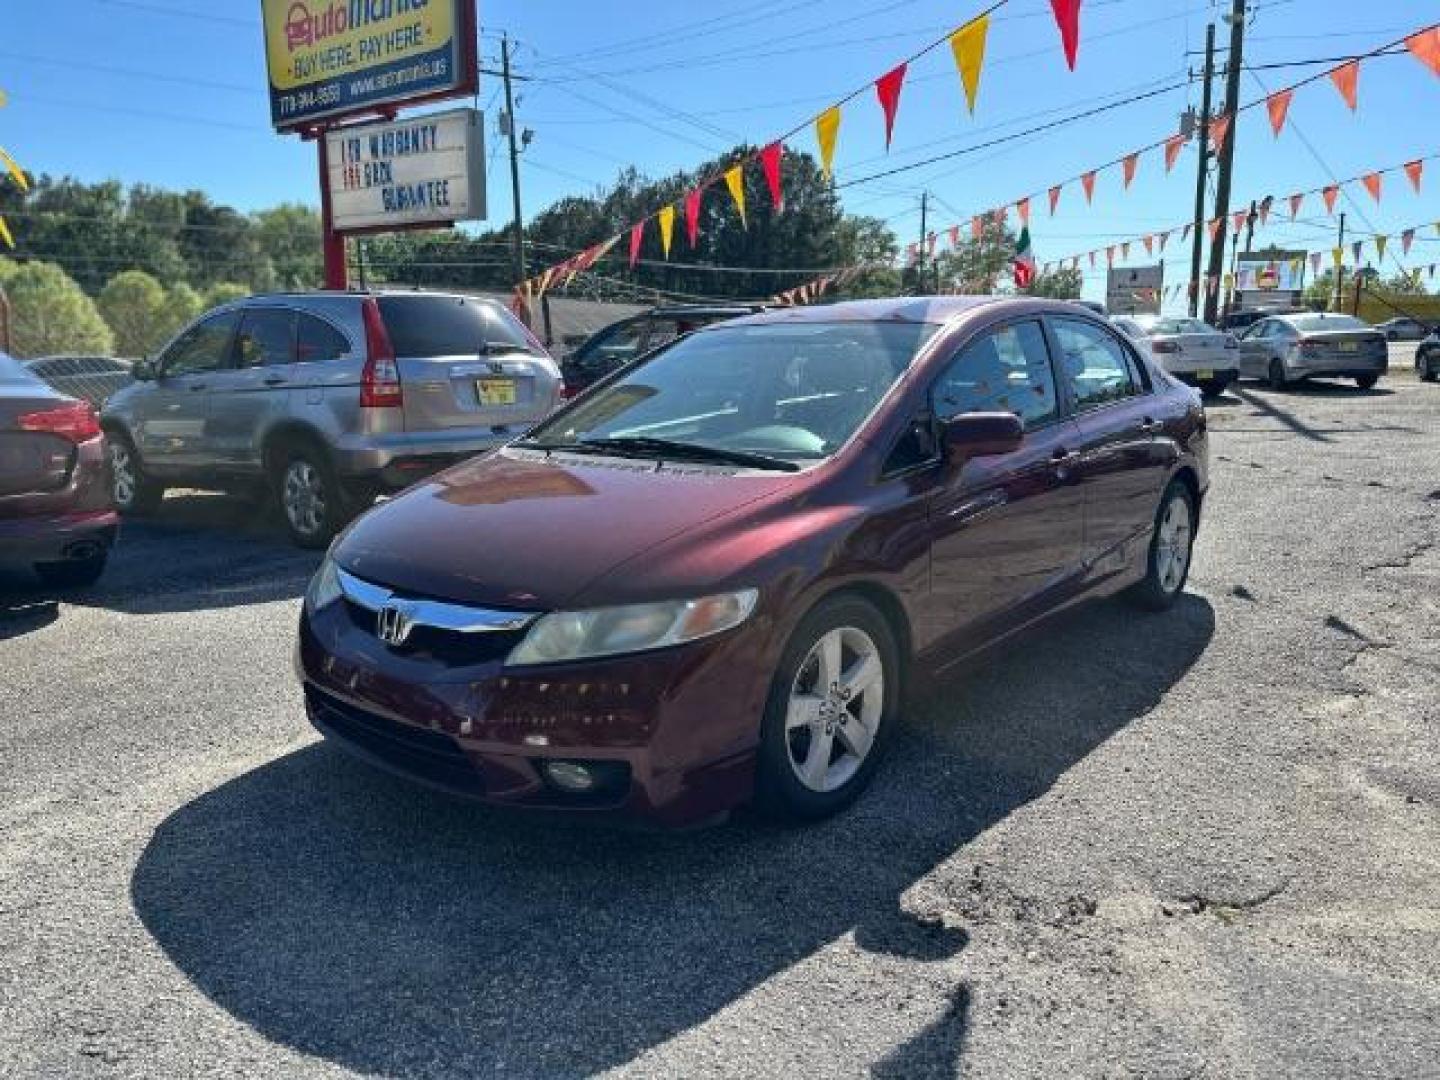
(585, 777)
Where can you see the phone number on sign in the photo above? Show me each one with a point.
(304, 100)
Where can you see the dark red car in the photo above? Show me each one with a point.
(55, 510)
(711, 578)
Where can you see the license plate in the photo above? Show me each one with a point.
(495, 391)
(1206, 374)
(1349, 346)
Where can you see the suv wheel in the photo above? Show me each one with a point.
(130, 489)
(310, 497)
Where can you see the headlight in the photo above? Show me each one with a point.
(574, 635)
(324, 587)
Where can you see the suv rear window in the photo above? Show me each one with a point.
(421, 326)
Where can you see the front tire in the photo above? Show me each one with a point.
(831, 711)
(131, 490)
(1213, 388)
(311, 497)
(1172, 543)
(1367, 382)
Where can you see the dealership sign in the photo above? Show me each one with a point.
(331, 57)
(1283, 272)
(403, 173)
(1134, 290)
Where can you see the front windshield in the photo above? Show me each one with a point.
(793, 392)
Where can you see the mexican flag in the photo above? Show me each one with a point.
(1023, 262)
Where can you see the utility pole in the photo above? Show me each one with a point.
(518, 257)
(1340, 268)
(1234, 60)
(920, 251)
(1198, 237)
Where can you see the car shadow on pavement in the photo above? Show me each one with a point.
(21, 614)
(354, 917)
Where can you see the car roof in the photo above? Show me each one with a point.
(703, 309)
(304, 294)
(906, 309)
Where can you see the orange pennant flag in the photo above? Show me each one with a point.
(1237, 221)
(1172, 150)
(667, 227)
(1414, 170)
(1346, 78)
(1279, 106)
(827, 127)
(977, 227)
(1219, 128)
(1372, 184)
(1330, 194)
(1128, 167)
(735, 181)
(1425, 47)
(1213, 225)
(968, 45)
(1149, 242)
(1295, 201)
(1088, 183)
(1054, 199)
(1023, 209)
(1110, 255)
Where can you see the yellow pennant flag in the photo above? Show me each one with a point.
(827, 126)
(735, 181)
(1339, 254)
(968, 45)
(667, 228)
(1380, 241)
(5, 233)
(16, 173)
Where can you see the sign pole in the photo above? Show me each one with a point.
(332, 243)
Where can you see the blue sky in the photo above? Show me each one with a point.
(172, 93)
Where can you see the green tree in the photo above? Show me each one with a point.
(134, 306)
(182, 303)
(289, 237)
(1406, 283)
(222, 292)
(52, 314)
(1061, 284)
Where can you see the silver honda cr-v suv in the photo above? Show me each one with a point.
(326, 399)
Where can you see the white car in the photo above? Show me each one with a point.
(1192, 351)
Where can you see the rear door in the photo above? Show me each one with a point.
(467, 363)
(1122, 464)
(250, 394)
(1255, 348)
(173, 413)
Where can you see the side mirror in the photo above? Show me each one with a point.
(983, 434)
(143, 370)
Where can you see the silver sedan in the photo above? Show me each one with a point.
(1286, 349)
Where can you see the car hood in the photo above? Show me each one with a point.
(517, 529)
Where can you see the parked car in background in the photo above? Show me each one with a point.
(1192, 351)
(90, 378)
(1244, 318)
(1427, 357)
(1403, 328)
(709, 578)
(1286, 349)
(616, 345)
(55, 512)
(326, 399)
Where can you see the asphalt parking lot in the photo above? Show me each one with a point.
(1200, 844)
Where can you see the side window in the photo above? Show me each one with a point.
(1094, 364)
(316, 341)
(621, 344)
(664, 331)
(266, 338)
(204, 347)
(1004, 370)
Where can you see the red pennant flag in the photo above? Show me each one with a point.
(1172, 150)
(770, 163)
(1425, 47)
(954, 237)
(1023, 209)
(1346, 78)
(1279, 106)
(1054, 199)
(1237, 221)
(1330, 194)
(1406, 239)
(912, 252)
(1265, 204)
(1295, 201)
(1214, 226)
(1088, 183)
(1219, 128)
(1067, 17)
(1110, 255)
(1372, 184)
(1128, 167)
(977, 227)
(1414, 170)
(1149, 242)
(887, 89)
(637, 237)
(692, 215)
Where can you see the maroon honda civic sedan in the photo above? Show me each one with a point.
(708, 580)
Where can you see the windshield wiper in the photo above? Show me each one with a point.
(648, 446)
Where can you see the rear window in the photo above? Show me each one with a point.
(12, 372)
(1328, 322)
(421, 326)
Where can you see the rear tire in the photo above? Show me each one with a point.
(131, 491)
(1429, 368)
(832, 709)
(1367, 382)
(1213, 388)
(1278, 381)
(1172, 543)
(73, 573)
(311, 498)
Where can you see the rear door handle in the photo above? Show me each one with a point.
(1062, 456)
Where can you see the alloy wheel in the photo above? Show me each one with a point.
(122, 475)
(303, 494)
(1172, 544)
(835, 707)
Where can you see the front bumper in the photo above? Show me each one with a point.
(683, 721)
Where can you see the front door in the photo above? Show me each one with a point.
(252, 392)
(1006, 531)
(173, 413)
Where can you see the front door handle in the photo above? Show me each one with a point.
(274, 380)
(197, 386)
(1062, 456)
(1150, 427)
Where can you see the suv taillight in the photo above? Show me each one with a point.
(74, 420)
(380, 378)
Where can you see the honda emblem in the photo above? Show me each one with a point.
(393, 624)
